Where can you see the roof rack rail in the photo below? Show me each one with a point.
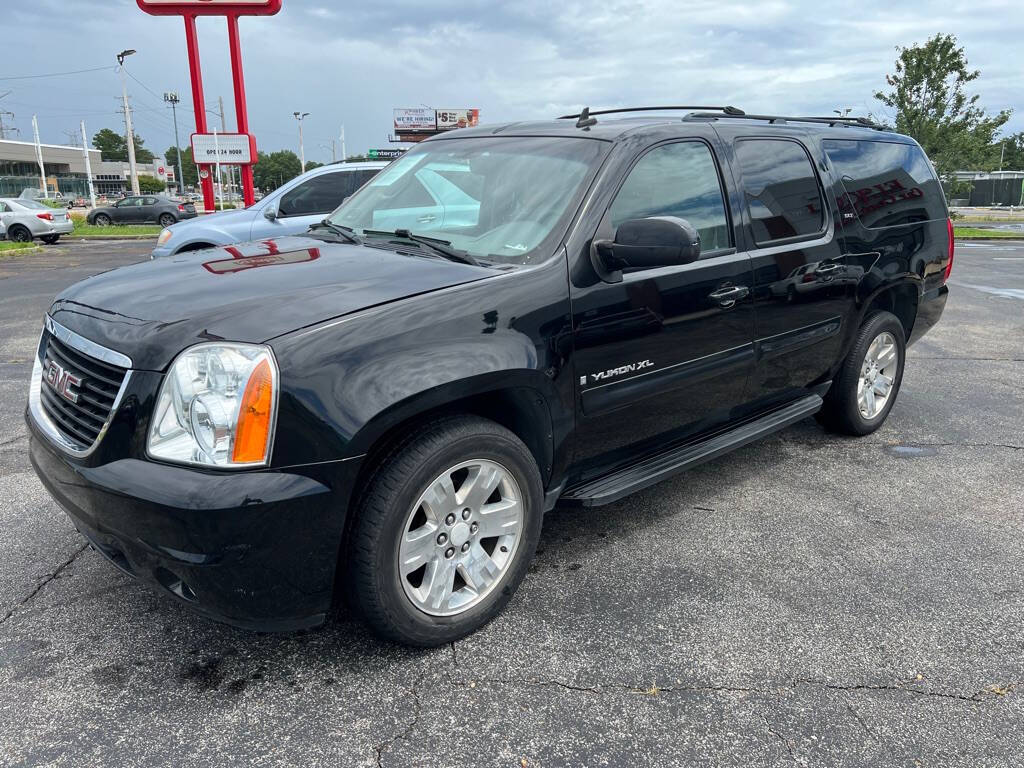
(832, 121)
(587, 113)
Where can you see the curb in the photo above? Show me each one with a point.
(84, 238)
(991, 239)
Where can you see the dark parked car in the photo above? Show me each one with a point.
(144, 209)
(385, 407)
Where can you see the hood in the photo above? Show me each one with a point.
(248, 292)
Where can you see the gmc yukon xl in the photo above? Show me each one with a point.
(505, 319)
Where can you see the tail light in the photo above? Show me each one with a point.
(48, 216)
(952, 247)
(181, 207)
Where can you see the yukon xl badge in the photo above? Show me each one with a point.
(62, 381)
(613, 372)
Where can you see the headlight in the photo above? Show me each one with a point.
(217, 407)
(165, 235)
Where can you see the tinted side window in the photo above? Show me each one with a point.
(781, 188)
(149, 201)
(886, 183)
(676, 180)
(321, 194)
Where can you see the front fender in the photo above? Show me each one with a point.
(345, 384)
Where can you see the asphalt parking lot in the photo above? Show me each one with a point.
(809, 600)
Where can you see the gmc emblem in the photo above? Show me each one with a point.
(62, 381)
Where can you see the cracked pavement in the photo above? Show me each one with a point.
(809, 600)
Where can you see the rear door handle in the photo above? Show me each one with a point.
(728, 296)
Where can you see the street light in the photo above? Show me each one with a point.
(300, 116)
(171, 97)
(844, 112)
(128, 121)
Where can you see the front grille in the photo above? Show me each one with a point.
(94, 385)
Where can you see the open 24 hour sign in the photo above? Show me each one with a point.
(223, 148)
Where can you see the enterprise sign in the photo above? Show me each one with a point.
(225, 148)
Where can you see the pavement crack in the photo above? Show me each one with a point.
(859, 719)
(974, 698)
(46, 580)
(13, 440)
(381, 748)
(785, 742)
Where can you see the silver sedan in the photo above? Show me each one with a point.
(26, 220)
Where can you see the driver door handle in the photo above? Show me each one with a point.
(729, 295)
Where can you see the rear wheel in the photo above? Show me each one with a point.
(166, 219)
(102, 220)
(444, 531)
(865, 390)
(50, 239)
(19, 234)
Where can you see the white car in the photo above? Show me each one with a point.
(27, 219)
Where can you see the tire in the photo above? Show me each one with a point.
(50, 239)
(844, 410)
(19, 234)
(390, 508)
(101, 220)
(166, 219)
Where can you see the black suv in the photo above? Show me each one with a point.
(504, 320)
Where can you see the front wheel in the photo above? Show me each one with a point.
(444, 531)
(865, 389)
(102, 220)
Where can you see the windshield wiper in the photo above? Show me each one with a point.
(344, 232)
(442, 248)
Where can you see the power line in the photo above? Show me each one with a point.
(57, 74)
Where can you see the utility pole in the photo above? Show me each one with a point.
(344, 156)
(220, 183)
(3, 130)
(72, 138)
(39, 156)
(132, 170)
(224, 129)
(88, 166)
(171, 97)
(300, 116)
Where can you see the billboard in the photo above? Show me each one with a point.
(225, 148)
(210, 7)
(447, 119)
(416, 119)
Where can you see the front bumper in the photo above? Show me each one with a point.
(253, 549)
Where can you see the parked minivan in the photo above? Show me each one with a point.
(383, 408)
(288, 210)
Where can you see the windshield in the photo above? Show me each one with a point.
(504, 199)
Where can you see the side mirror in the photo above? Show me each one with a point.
(270, 213)
(657, 241)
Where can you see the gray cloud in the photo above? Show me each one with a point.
(352, 62)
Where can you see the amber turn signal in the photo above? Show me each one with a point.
(252, 436)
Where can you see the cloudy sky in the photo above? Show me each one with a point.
(351, 62)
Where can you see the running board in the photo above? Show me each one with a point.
(654, 469)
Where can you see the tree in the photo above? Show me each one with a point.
(149, 185)
(188, 166)
(113, 146)
(927, 90)
(1012, 150)
(274, 169)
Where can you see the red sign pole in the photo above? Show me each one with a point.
(241, 116)
(198, 102)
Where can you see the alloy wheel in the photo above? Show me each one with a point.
(877, 374)
(460, 537)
